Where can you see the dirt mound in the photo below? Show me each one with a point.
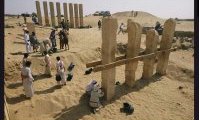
(179, 73)
(129, 14)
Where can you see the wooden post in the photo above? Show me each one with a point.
(38, 12)
(46, 15)
(109, 29)
(76, 15)
(30, 27)
(151, 47)
(52, 14)
(71, 15)
(58, 13)
(166, 43)
(65, 11)
(81, 14)
(133, 49)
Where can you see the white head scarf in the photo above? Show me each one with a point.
(91, 85)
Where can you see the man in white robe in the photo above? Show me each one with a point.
(27, 40)
(94, 98)
(24, 60)
(27, 80)
(48, 64)
(61, 71)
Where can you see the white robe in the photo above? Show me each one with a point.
(61, 71)
(48, 65)
(27, 81)
(27, 42)
(94, 98)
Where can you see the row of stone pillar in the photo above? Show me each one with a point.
(109, 31)
(75, 14)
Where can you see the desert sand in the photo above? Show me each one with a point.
(157, 99)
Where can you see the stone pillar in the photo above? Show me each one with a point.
(81, 14)
(71, 15)
(109, 30)
(65, 11)
(151, 47)
(46, 14)
(52, 14)
(76, 15)
(166, 43)
(58, 13)
(39, 16)
(133, 49)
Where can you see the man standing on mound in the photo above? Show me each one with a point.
(53, 37)
(27, 80)
(24, 60)
(61, 71)
(99, 24)
(48, 64)
(27, 40)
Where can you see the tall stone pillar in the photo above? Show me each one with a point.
(81, 14)
(76, 15)
(65, 11)
(52, 14)
(46, 15)
(109, 33)
(71, 15)
(58, 13)
(165, 43)
(151, 47)
(39, 16)
(133, 49)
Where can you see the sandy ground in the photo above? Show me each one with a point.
(157, 99)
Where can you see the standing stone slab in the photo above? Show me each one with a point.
(65, 11)
(166, 43)
(30, 27)
(71, 15)
(133, 49)
(38, 12)
(151, 47)
(76, 15)
(46, 15)
(52, 14)
(81, 14)
(109, 29)
(58, 13)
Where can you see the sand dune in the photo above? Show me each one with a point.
(157, 99)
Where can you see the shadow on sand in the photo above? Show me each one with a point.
(23, 43)
(17, 53)
(75, 112)
(20, 38)
(78, 111)
(40, 77)
(49, 90)
(14, 85)
(17, 99)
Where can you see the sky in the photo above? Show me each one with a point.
(160, 8)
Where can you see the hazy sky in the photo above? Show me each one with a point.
(160, 8)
